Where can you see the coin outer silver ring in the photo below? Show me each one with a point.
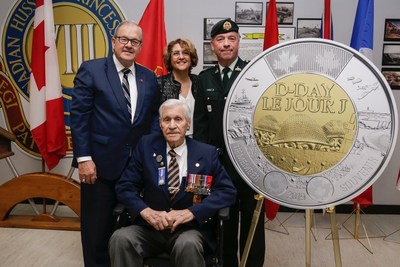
(372, 146)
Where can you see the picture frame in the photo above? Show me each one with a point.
(391, 54)
(208, 24)
(208, 55)
(392, 76)
(309, 27)
(285, 12)
(250, 13)
(392, 30)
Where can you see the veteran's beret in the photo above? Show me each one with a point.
(224, 26)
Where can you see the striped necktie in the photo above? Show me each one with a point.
(173, 175)
(125, 86)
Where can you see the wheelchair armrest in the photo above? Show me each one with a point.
(223, 214)
(122, 217)
(118, 210)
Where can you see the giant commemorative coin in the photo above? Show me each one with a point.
(310, 123)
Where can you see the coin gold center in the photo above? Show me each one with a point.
(305, 124)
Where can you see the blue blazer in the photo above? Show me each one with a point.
(100, 122)
(138, 187)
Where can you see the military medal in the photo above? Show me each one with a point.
(161, 176)
(199, 184)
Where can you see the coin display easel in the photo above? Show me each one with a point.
(393, 237)
(369, 229)
(276, 225)
(334, 232)
(286, 223)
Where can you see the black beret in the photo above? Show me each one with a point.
(224, 26)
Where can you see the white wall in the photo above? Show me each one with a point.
(184, 18)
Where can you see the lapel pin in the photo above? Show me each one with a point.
(197, 164)
(159, 159)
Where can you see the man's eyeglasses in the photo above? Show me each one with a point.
(124, 41)
(179, 53)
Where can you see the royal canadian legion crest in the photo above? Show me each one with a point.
(310, 123)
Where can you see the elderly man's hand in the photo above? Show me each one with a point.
(178, 217)
(158, 219)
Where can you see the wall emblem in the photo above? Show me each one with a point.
(83, 31)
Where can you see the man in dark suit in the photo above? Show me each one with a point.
(213, 88)
(167, 217)
(106, 124)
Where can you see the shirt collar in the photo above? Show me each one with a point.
(179, 149)
(120, 67)
(231, 67)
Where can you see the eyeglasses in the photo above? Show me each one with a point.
(124, 41)
(181, 53)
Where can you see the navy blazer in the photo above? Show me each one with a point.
(138, 187)
(100, 122)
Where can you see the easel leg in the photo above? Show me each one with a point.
(308, 237)
(335, 236)
(254, 221)
(357, 221)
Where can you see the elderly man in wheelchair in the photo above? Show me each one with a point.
(172, 198)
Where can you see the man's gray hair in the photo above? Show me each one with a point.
(169, 103)
(131, 23)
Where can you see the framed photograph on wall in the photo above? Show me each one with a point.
(391, 54)
(308, 28)
(392, 77)
(284, 12)
(208, 24)
(392, 30)
(249, 13)
(208, 55)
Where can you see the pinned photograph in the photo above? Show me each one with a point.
(208, 55)
(284, 12)
(249, 13)
(208, 24)
(392, 30)
(392, 77)
(309, 28)
(391, 54)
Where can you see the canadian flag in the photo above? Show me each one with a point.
(46, 115)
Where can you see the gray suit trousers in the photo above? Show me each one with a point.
(129, 245)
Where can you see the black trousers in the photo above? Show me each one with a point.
(97, 203)
(241, 213)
